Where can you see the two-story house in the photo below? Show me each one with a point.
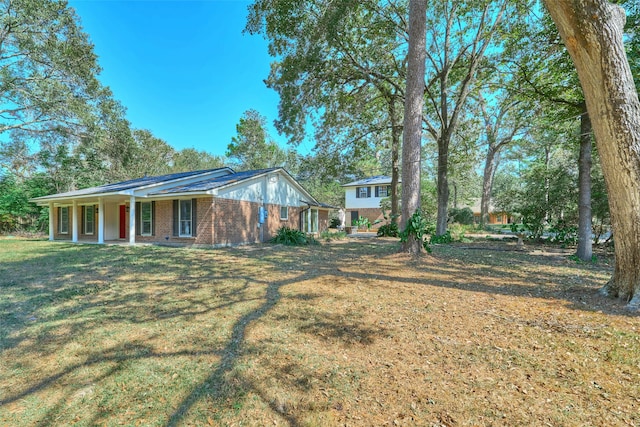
(362, 198)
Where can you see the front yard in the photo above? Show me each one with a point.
(344, 333)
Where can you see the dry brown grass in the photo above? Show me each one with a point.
(346, 333)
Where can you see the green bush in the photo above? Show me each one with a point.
(388, 230)
(562, 232)
(458, 231)
(443, 238)
(461, 216)
(362, 222)
(291, 237)
(418, 227)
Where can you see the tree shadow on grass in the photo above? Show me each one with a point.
(77, 294)
(218, 385)
(85, 294)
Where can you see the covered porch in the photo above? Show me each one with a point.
(96, 219)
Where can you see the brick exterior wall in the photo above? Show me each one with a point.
(373, 214)
(163, 223)
(236, 222)
(323, 220)
(82, 237)
(56, 226)
(274, 222)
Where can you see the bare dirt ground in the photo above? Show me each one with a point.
(347, 333)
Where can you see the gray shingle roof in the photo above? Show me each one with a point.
(374, 180)
(132, 183)
(210, 184)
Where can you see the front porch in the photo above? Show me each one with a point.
(95, 220)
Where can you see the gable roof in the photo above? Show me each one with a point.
(213, 183)
(202, 181)
(138, 183)
(374, 180)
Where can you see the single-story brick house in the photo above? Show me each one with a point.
(217, 207)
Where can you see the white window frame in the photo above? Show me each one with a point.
(143, 221)
(185, 221)
(285, 210)
(89, 210)
(383, 189)
(62, 223)
(363, 192)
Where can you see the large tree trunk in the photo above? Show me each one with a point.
(396, 134)
(592, 32)
(443, 187)
(585, 249)
(412, 137)
(487, 183)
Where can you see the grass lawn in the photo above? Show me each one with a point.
(345, 333)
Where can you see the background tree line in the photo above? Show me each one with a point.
(502, 116)
(503, 122)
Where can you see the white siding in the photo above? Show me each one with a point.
(273, 189)
(352, 202)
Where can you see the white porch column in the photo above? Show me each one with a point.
(100, 220)
(51, 223)
(74, 222)
(309, 220)
(132, 220)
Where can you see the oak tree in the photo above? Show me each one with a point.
(592, 31)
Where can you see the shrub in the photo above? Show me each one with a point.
(362, 222)
(291, 237)
(388, 230)
(461, 216)
(418, 227)
(443, 238)
(458, 231)
(561, 232)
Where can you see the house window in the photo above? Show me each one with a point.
(63, 220)
(382, 191)
(363, 192)
(146, 218)
(310, 221)
(499, 219)
(284, 213)
(89, 219)
(184, 218)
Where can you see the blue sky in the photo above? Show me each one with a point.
(183, 69)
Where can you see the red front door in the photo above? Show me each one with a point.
(123, 222)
